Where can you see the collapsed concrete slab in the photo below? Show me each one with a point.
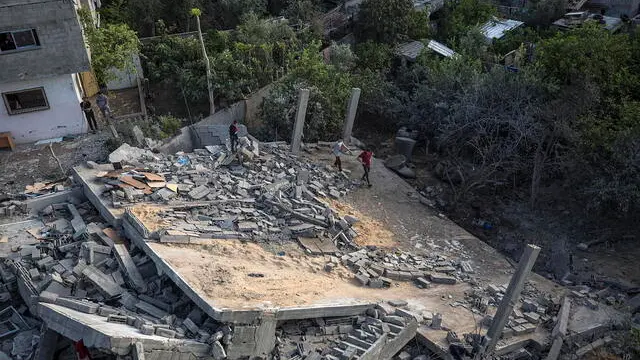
(115, 338)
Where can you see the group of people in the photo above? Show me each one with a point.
(365, 157)
(102, 101)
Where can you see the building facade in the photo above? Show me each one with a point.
(42, 51)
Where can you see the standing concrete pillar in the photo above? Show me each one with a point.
(351, 115)
(303, 100)
(511, 296)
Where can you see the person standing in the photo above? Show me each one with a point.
(85, 105)
(338, 148)
(365, 158)
(233, 135)
(103, 104)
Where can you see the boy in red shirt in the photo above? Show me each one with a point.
(365, 158)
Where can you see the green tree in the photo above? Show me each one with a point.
(112, 46)
(374, 56)
(459, 17)
(419, 25)
(384, 21)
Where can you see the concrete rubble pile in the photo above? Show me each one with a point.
(379, 333)
(88, 268)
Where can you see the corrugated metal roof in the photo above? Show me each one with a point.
(410, 50)
(495, 29)
(440, 48)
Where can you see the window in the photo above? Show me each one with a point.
(19, 102)
(18, 40)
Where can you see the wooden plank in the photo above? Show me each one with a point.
(156, 184)
(6, 141)
(133, 182)
(153, 177)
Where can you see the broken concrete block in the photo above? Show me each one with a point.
(104, 282)
(217, 351)
(395, 320)
(532, 317)
(150, 309)
(362, 279)
(436, 321)
(424, 283)
(199, 192)
(168, 333)
(442, 279)
(78, 305)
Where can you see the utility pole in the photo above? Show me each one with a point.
(212, 107)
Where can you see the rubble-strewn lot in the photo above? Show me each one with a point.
(267, 230)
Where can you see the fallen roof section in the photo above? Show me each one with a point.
(497, 28)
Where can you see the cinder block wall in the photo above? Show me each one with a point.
(62, 48)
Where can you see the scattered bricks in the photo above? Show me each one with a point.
(120, 319)
(362, 279)
(409, 315)
(193, 328)
(35, 253)
(128, 300)
(168, 333)
(385, 309)
(165, 194)
(517, 313)
(507, 333)
(151, 310)
(592, 304)
(395, 320)
(106, 311)
(424, 283)
(445, 269)
(35, 274)
(334, 193)
(385, 281)
(43, 262)
(376, 283)
(398, 275)
(329, 267)
(104, 282)
(217, 351)
(47, 297)
(403, 356)
(351, 219)
(529, 328)
(519, 330)
(147, 329)
(533, 318)
(379, 270)
(78, 305)
(397, 303)
(466, 267)
(452, 337)
(247, 226)
(442, 279)
(436, 322)
(199, 192)
(493, 289)
(529, 306)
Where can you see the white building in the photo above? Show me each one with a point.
(42, 50)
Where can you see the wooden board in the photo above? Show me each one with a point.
(153, 177)
(156, 184)
(113, 235)
(6, 141)
(133, 182)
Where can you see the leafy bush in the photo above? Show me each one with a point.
(169, 125)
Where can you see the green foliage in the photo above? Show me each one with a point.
(196, 12)
(588, 52)
(301, 12)
(240, 8)
(385, 21)
(459, 17)
(342, 57)
(514, 38)
(329, 89)
(169, 125)
(112, 46)
(419, 25)
(374, 56)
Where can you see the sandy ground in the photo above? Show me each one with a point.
(370, 231)
(220, 272)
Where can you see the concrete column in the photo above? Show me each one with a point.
(511, 296)
(303, 100)
(351, 115)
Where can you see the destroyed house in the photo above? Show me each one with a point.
(42, 51)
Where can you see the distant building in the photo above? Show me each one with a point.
(42, 50)
(616, 8)
(409, 51)
(576, 19)
(497, 28)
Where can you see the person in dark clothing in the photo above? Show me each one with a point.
(85, 105)
(365, 159)
(233, 135)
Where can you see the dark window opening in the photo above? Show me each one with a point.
(18, 40)
(19, 102)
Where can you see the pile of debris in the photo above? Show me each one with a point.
(377, 268)
(10, 207)
(88, 268)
